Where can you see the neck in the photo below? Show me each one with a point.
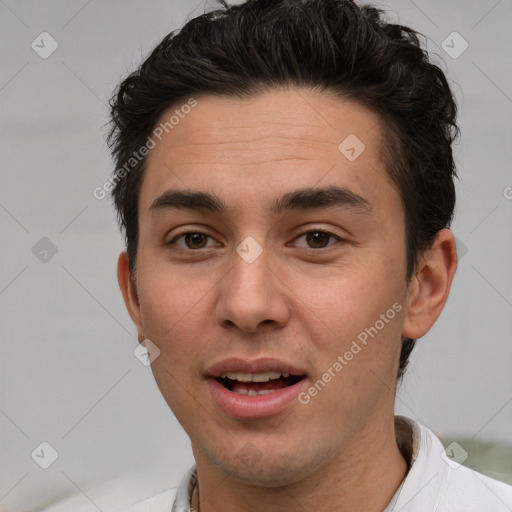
(365, 476)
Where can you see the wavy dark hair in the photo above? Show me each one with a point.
(334, 46)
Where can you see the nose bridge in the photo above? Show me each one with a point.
(250, 275)
(250, 293)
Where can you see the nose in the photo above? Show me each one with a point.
(252, 295)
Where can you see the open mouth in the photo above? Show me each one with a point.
(259, 388)
(253, 384)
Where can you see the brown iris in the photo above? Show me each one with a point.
(316, 239)
(195, 240)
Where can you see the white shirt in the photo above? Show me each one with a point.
(434, 483)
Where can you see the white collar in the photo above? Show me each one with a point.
(423, 486)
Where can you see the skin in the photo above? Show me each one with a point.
(304, 306)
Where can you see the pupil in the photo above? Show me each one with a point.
(315, 238)
(195, 239)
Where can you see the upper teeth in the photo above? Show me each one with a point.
(253, 377)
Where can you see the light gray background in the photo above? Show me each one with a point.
(68, 373)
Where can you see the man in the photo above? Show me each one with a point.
(285, 183)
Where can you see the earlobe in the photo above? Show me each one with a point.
(128, 290)
(430, 285)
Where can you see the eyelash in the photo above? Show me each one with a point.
(328, 233)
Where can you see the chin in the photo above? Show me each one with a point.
(268, 470)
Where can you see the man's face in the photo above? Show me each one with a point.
(284, 286)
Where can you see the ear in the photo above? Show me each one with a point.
(129, 291)
(430, 285)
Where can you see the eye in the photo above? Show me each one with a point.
(192, 240)
(314, 239)
(317, 239)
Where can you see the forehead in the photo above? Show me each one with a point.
(267, 145)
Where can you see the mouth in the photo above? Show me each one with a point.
(256, 384)
(254, 389)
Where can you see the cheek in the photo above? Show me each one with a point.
(348, 304)
(167, 295)
(173, 315)
(173, 318)
(357, 317)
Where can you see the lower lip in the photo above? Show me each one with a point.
(259, 406)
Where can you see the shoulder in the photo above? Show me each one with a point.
(160, 502)
(150, 491)
(461, 488)
(469, 491)
(437, 482)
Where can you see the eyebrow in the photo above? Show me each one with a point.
(301, 199)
